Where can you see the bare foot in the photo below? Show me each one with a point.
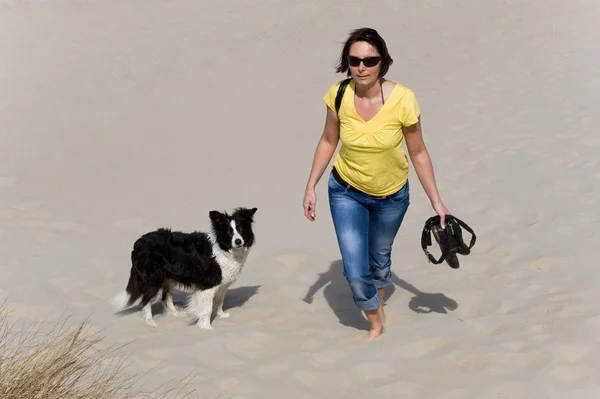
(372, 334)
(376, 323)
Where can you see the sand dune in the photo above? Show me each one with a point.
(113, 113)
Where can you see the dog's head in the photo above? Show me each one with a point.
(233, 231)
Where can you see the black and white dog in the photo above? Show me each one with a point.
(203, 264)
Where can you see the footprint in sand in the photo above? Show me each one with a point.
(6, 181)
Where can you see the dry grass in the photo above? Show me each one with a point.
(60, 362)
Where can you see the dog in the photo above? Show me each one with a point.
(203, 264)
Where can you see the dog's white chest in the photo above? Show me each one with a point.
(230, 274)
(231, 264)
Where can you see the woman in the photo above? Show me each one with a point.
(368, 187)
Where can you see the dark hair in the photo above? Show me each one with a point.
(370, 36)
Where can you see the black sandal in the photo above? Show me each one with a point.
(449, 239)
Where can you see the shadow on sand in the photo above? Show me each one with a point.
(339, 297)
(235, 297)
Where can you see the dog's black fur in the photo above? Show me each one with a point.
(163, 255)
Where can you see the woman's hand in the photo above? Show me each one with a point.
(310, 204)
(442, 211)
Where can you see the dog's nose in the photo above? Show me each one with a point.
(238, 241)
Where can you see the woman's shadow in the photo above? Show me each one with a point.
(338, 296)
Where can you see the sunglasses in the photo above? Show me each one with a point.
(368, 61)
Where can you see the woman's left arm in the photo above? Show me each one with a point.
(420, 159)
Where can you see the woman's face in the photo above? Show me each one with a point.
(364, 62)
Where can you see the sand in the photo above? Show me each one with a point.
(117, 117)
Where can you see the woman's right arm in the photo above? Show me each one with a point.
(323, 153)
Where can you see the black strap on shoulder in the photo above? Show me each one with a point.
(340, 93)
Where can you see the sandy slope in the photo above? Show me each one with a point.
(118, 117)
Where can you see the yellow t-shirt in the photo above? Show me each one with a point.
(371, 157)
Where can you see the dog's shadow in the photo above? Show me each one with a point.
(339, 297)
(234, 298)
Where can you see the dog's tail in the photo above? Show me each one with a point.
(131, 294)
(121, 301)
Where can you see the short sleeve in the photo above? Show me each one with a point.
(409, 109)
(329, 97)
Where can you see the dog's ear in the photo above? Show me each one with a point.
(247, 213)
(216, 217)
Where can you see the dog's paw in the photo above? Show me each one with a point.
(151, 323)
(204, 325)
(222, 315)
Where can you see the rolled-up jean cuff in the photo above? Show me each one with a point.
(370, 304)
(381, 284)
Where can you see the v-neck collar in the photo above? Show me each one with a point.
(352, 86)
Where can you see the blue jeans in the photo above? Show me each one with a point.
(365, 227)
